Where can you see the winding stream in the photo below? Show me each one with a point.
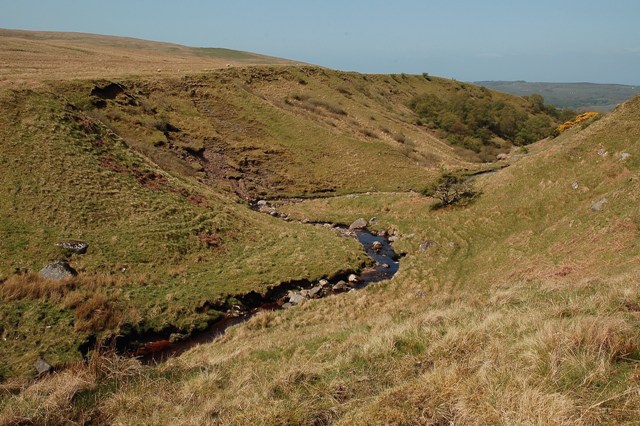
(384, 266)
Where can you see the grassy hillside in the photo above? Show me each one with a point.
(578, 96)
(519, 307)
(40, 55)
(522, 310)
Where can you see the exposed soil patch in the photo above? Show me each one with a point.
(110, 91)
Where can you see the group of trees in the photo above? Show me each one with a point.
(473, 118)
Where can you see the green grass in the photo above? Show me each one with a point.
(144, 227)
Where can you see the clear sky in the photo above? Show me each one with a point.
(542, 40)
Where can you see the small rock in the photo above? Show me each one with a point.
(376, 245)
(358, 224)
(383, 233)
(574, 184)
(427, 245)
(43, 366)
(57, 271)
(409, 236)
(353, 278)
(304, 293)
(373, 220)
(420, 293)
(261, 203)
(273, 213)
(598, 205)
(393, 238)
(315, 292)
(323, 283)
(340, 286)
(287, 305)
(305, 220)
(502, 156)
(74, 246)
(296, 298)
(624, 156)
(602, 152)
(385, 265)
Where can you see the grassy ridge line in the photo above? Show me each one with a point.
(39, 55)
(161, 245)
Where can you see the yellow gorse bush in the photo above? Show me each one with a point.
(579, 119)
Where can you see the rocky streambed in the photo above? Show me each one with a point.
(383, 265)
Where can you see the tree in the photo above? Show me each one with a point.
(450, 189)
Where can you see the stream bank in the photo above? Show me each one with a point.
(383, 265)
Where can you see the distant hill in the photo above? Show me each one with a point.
(579, 96)
(43, 55)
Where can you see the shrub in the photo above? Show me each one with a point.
(450, 189)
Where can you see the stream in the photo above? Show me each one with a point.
(385, 264)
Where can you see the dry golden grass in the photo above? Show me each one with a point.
(536, 352)
(54, 400)
(29, 55)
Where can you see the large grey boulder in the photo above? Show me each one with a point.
(57, 271)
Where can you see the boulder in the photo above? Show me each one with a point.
(360, 223)
(376, 245)
(598, 205)
(296, 298)
(42, 366)
(315, 292)
(261, 203)
(502, 157)
(340, 286)
(353, 278)
(57, 271)
(74, 246)
(323, 283)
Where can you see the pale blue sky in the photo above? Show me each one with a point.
(542, 40)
